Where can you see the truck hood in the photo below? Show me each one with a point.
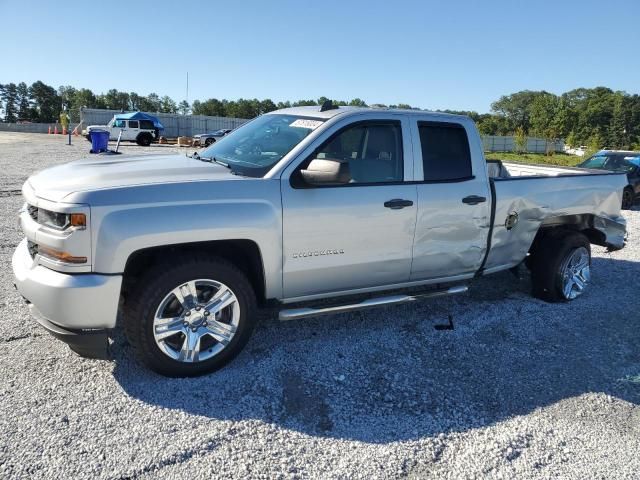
(106, 172)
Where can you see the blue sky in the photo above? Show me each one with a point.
(431, 54)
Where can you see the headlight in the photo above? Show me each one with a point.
(61, 221)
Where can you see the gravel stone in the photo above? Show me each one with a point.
(518, 389)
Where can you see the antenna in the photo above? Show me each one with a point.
(187, 87)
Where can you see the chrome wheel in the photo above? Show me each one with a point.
(196, 320)
(575, 273)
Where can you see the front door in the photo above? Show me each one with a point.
(117, 127)
(357, 235)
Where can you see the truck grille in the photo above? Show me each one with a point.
(33, 248)
(33, 212)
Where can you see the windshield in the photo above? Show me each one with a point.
(257, 146)
(615, 163)
(597, 161)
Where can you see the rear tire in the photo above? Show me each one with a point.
(560, 267)
(627, 198)
(144, 139)
(145, 304)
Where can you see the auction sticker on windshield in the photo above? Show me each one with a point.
(306, 123)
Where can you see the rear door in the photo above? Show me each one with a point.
(133, 129)
(453, 200)
(358, 235)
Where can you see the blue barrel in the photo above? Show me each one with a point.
(99, 141)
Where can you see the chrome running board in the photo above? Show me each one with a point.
(297, 313)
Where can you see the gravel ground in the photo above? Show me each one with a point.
(519, 388)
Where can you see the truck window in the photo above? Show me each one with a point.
(133, 124)
(597, 161)
(445, 151)
(119, 124)
(146, 124)
(373, 150)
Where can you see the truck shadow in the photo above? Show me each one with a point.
(387, 375)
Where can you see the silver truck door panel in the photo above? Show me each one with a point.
(344, 237)
(451, 236)
(453, 213)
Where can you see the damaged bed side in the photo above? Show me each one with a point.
(532, 200)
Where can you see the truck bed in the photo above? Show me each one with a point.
(541, 194)
(498, 170)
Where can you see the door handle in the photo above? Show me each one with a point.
(397, 203)
(473, 200)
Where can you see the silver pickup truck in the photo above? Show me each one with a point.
(306, 210)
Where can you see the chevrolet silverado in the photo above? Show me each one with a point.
(308, 210)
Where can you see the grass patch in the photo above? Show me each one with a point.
(561, 159)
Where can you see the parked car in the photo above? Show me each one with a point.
(579, 151)
(306, 210)
(138, 127)
(619, 161)
(206, 139)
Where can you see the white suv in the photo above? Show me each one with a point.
(143, 132)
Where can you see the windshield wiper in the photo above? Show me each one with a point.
(197, 156)
(214, 160)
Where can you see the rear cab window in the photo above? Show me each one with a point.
(446, 156)
(133, 124)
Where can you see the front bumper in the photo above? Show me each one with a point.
(78, 308)
(86, 343)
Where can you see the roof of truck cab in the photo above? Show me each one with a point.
(139, 116)
(314, 112)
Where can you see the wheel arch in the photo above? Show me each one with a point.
(244, 254)
(598, 230)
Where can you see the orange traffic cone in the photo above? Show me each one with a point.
(55, 130)
(49, 130)
(64, 131)
(75, 131)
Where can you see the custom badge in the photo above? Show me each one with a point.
(317, 253)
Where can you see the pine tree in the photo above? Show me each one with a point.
(10, 98)
(24, 106)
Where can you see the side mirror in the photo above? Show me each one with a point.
(327, 171)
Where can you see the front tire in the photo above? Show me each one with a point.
(190, 316)
(561, 267)
(627, 198)
(209, 141)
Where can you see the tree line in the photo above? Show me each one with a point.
(43, 103)
(595, 117)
